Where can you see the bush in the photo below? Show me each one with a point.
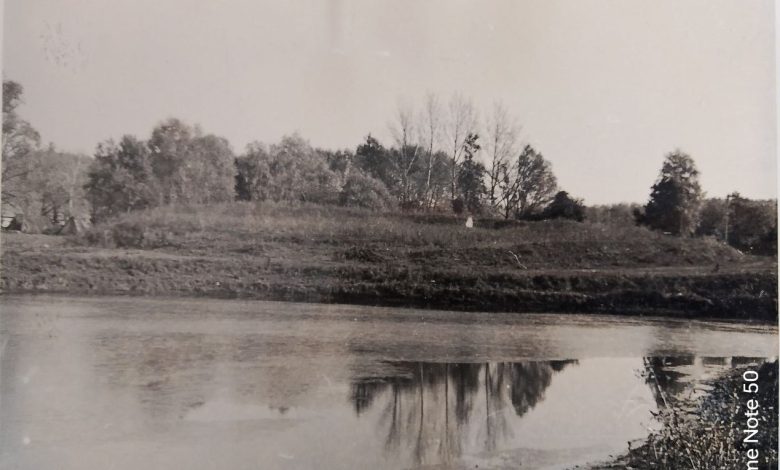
(458, 206)
(361, 190)
(707, 435)
(128, 235)
(565, 207)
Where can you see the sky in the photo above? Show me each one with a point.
(603, 88)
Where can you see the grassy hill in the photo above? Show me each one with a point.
(330, 254)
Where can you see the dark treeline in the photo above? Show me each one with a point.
(441, 158)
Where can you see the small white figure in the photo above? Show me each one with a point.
(470, 222)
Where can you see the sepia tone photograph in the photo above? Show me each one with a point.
(389, 234)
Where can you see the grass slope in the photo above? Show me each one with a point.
(329, 254)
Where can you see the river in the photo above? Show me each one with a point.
(132, 383)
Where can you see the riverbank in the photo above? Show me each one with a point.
(318, 254)
(708, 432)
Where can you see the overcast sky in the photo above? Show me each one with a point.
(603, 88)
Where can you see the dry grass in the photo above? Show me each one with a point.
(333, 254)
(551, 241)
(707, 434)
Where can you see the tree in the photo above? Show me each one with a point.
(564, 207)
(713, 218)
(307, 176)
(376, 161)
(210, 171)
(460, 124)
(530, 184)
(675, 198)
(57, 184)
(501, 146)
(20, 140)
(288, 171)
(252, 173)
(120, 179)
(169, 145)
(190, 167)
(752, 224)
(361, 190)
(430, 129)
(406, 155)
(471, 177)
(440, 181)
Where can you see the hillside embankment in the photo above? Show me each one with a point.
(326, 254)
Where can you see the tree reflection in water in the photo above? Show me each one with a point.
(433, 410)
(669, 377)
(663, 379)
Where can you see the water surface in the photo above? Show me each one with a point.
(131, 383)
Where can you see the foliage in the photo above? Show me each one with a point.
(713, 218)
(564, 207)
(190, 167)
(120, 178)
(20, 140)
(58, 184)
(42, 185)
(708, 434)
(434, 165)
(340, 162)
(531, 184)
(210, 171)
(169, 150)
(361, 190)
(128, 235)
(252, 173)
(288, 171)
(471, 179)
(675, 199)
(752, 225)
(375, 160)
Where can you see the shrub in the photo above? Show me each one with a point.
(458, 206)
(565, 207)
(128, 235)
(361, 190)
(707, 435)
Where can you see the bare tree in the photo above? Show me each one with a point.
(430, 130)
(501, 146)
(404, 132)
(461, 122)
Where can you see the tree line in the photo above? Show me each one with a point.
(442, 157)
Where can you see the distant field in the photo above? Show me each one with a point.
(329, 254)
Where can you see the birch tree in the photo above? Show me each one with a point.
(407, 153)
(460, 124)
(430, 130)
